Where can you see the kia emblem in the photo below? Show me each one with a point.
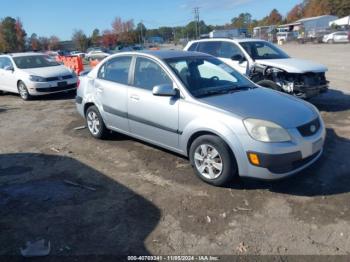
(313, 129)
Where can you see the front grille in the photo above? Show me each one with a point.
(55, 89)
(310, 128)
(57, 78)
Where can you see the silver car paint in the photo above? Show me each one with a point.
(222, 115)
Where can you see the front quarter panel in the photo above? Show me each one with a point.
(195, 118)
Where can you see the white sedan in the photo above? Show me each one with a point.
(34, 74)
(336, 37)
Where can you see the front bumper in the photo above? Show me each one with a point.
(306, 92)
(45, 88)
(280, 160)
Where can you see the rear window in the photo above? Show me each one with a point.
(116, 70)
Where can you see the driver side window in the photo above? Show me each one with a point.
(4, 62)
(229, 50)
(149, 74)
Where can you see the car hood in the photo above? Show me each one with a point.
(51, 71)
(293, 65)
(265, 104)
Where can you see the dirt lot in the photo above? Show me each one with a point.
(128, 197)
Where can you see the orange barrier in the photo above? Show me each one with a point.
(73, 62)
(154, 48)
(94, 63)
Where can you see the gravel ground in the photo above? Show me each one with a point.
(122, 196)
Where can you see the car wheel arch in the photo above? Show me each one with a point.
(87, 105)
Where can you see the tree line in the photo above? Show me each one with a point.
(13, 37)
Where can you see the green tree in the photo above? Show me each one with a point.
(8, 26)
(95, 37)
(80, 40)
(242, 21)
(20, 35)
(34, 42)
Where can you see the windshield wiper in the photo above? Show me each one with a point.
(225, 91)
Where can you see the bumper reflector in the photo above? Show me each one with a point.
(254, 159)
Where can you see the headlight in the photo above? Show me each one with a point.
(266, 131)
(37, 79)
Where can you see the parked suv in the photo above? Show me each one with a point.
(197, 106)
(33, 74)
(267, 65)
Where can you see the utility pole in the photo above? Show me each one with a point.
(141, 32)
(196, 20)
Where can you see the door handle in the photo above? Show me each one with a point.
(99, 88)
(135, 97)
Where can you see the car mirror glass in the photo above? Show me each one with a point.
(164, 90)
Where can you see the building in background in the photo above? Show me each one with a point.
(341, 22)
(229, 33)
(307, 29)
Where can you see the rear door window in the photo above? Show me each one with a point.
(116, 70)
(211, 48)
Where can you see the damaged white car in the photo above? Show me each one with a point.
(267, 65)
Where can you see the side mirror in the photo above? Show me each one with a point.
(9, 68)
(238, 58)
(164, 90)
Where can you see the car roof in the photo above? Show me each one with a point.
(23, 54)
(165, 54)
(237, 40)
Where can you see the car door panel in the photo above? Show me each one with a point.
(8, 81)
(113, 100)
(111, 91)
(154, 118)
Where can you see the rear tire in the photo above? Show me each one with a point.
(23, 91)
(95, 123)
(212, 160)
(269, 84)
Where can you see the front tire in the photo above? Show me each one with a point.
(269, 84)
(23, 91)
(95, 123)
(212, 160)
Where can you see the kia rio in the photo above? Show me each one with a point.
(196, 105)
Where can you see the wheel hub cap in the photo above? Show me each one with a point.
(208, 161)
(93, 123)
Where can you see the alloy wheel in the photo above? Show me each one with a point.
(23, 92)
(93, 122)
(208, 161)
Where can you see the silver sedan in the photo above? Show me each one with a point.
(197, 106)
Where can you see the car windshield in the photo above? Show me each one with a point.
(35, 61)
(206, 76)
(263, 50)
